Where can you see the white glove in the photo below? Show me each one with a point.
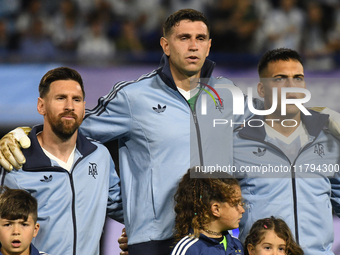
(333, 121)
(10, 148)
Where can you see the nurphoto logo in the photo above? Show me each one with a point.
(238, 99)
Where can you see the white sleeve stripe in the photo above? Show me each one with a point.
(178, 244)
(187, 247)
(103, 101)
(183, 245)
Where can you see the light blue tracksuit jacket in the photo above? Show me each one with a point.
(305, 196)
(72, 206)
(160, 137)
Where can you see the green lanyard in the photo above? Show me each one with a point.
(224, 242)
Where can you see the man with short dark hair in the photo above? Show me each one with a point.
(163, 131)
(289, 170)
(73, 178)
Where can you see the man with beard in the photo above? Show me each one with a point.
(72, 178)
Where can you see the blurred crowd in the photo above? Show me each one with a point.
(99, 32)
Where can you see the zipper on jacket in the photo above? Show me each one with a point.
(295, 208)
(293, 178)
(74, 220)
(294, 191)
(60, 169)
(198, 133)
(293, 187)
(73, 216)
(74, 207)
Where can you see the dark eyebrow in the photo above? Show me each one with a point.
(12, 221)
(189, 35)
(202, 35)
(60, 95)
(280, 75)
(286, 76)
(184, 35)
(65, 95)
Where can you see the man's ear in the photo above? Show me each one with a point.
(260, 89)
(165, 45)
(208, 48)
(84, 108)
(41, 106)
(36, 229)
(216, 209)
(251, 249)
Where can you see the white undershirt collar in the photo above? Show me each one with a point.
(190, 93)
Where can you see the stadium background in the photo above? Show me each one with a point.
(113, 40)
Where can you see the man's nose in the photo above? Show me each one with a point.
(193, 44)
(69, 104)
(289, 82)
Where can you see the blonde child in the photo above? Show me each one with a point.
(206, 208)
(271, 236)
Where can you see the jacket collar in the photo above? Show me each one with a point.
(230, 239)
(231, 243)
(314, 124)
(165, 73)
(34, 251)
(36, 158)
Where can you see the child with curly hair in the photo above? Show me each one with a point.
(206, 208)
(271, 236)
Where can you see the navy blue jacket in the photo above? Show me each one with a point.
(207, 246)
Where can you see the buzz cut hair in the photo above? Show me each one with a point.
(183, 14)
(277, 55)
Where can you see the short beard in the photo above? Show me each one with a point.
(64, 130)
